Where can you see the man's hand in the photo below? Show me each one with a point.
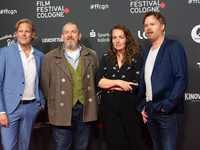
(41, 107)
(144, 115)
(162, 109)
(4, 120)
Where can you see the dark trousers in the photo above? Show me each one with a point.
(164, 128)
(121, 121)
(74, 137)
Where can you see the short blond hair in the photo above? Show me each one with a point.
(25, 21)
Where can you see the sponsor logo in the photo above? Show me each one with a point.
(143, 6)
(99, 6)
(101, 37)
(198, 64)
(193, 1)
(7, 12)
(92, 34)
(194, 97)
(195, 33)
(142, 35)
(46, 10)
(51, 40)
(9, 38)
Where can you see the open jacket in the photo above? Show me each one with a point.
(56, 84)
(12, 78)
(169, 78)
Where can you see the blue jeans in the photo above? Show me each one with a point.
(74, 137)
(164, 128)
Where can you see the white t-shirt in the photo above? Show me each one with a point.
(148, 72)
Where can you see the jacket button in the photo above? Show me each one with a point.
(61, 104)
(62, 92)
(90, 100)
(89, 88)
(63, 80)
(88, 76)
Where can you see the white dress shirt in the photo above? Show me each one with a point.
(29, 74)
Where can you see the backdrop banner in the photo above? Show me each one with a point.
(95, 18)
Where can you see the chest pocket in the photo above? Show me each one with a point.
(7, 91)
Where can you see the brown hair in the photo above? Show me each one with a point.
(25, 21)
(131, 45)
(158, 16)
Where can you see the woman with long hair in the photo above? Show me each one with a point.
(118, 77)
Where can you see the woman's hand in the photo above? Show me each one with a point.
(119, 85)
(126, 86)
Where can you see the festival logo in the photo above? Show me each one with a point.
(143, 6)
(46, 10)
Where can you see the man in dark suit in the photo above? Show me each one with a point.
(20, 96)
(163, 81)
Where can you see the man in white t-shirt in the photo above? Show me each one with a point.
(163, 81)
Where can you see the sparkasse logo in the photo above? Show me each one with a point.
(101, 37)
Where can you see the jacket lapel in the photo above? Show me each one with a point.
(18, 57)
(85, 59)
(37, 63)
(61, 61)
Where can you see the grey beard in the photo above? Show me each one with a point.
(70, 46)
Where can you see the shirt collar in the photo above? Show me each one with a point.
(20, 49)
(79, 50)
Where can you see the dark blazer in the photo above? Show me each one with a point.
(12, 78)
(169, 78)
